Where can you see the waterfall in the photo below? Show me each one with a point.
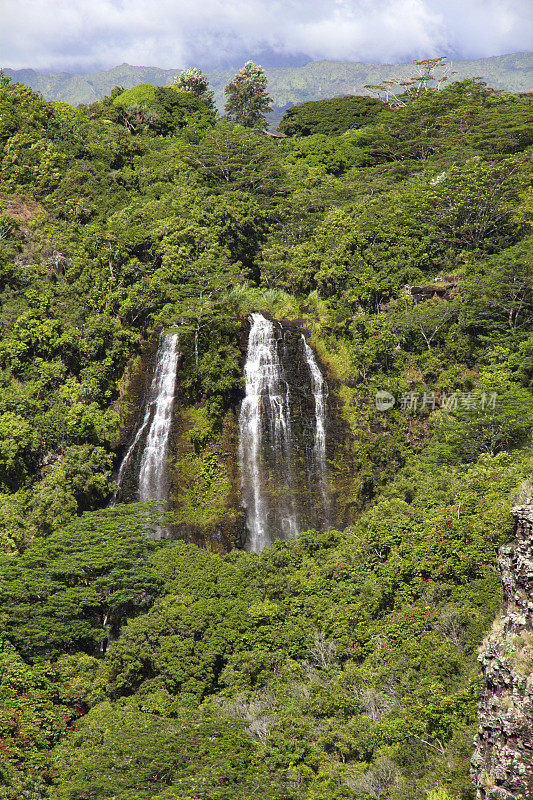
(146, 457)
(265, 439)
(319, 390)
(282, 435)
(153, 484)
(124, 464)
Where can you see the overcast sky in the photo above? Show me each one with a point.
(81, 35)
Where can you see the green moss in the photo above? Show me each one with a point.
(333, 353)
(126, 406)
(204, 486)
(204, 479)
(277, 302)
(521, 653)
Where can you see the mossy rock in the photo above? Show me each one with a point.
(205, 494)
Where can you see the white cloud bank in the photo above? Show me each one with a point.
(84, 34)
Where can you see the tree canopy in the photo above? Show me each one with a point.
(330, 117)
(194, 81)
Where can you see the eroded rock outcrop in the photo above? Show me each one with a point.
(502, 765)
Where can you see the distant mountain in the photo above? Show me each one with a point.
(287, 85)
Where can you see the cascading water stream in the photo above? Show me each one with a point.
(282, 436)
(129, 453)
(153, 481)
(265, 439)
(147, 455)
(320, 393)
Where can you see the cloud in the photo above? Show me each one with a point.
(85, 34)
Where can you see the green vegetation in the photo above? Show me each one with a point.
(162, 111)
(335, 666)
(287, 85)
(330, 116)
(247, 98)
(193, 80)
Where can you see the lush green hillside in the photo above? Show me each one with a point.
(338, 665)
(288, 85)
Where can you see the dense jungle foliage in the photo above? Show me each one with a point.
(330, 116)
(337, 665)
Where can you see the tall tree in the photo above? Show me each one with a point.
(193, 80)
(248, 99)
(400, 91)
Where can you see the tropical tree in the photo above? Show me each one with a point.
(129, 753)
(330, 117)
(231, 159)
(161, 110)
(193, 80)
(248, 99)
(398, 92)
(80, 583)
(498, 295)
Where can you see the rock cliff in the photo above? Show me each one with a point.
(502, 765)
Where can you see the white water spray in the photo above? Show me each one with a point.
(320, 392)
(153, 481)
(265, 437)
(151, 478)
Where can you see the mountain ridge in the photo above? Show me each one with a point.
(288, 85)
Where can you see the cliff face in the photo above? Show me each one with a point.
(502, 766)
(206, 493)
(204, 475)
